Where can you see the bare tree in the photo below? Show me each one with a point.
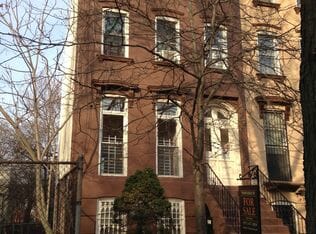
(33, 37)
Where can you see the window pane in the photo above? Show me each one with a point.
(112, 145)
(224, 140)
(166, 35)
(113, 104)
(167, 109)
(168, 159)
(112, 127)
(114, 24)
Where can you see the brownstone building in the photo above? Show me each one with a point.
(159, 83)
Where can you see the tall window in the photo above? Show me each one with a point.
(105, 218)
(169, 140)
(175, 224)
(113, 136)
(167, 38)
(276, 145)
(268, 54)
(216, 47)
(115, 33)
(220, 136)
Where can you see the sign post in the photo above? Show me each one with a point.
(250, 218)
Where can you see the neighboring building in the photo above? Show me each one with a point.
(137, 67)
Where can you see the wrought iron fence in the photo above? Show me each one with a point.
(279, 202)
(225, 200)
(38, 197)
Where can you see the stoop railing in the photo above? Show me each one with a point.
(279, 202)
(225, 200)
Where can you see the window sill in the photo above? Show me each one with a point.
(166, 63)
(170, 176)
(102, 57)
(266, 4)
(112, 175)
(282, 185)
(271, 76)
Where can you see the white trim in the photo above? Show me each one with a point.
(178, 135)
(177, 28)
(123, 113)
(126, 29)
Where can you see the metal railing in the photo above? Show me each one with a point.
(25, 208)
(279, 202)
(225, 200)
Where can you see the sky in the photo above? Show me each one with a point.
(31, 40)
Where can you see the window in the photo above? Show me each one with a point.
(113, 149)
(268, 54)
(286, 211)
(216, 47)
(115, 33)
(175, 224)
(169, 140)
(167, 38)
(105, 218)
(276, 145)
(220, 135)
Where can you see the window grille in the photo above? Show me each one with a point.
(276, 145)
(168, 158)
(112, 155)
(176, 223)
(105, 219)
(168, 130)
(114, 133)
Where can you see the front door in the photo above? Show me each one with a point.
(222, 144)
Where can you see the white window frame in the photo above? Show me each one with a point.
(223, 62)
(98, 217)
(276, 54)
(181, 215)
(126, 29)
(178, 135)
(176, 57)
(125, 133)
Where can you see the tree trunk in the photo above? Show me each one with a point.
(199, 198)
(308, 101)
